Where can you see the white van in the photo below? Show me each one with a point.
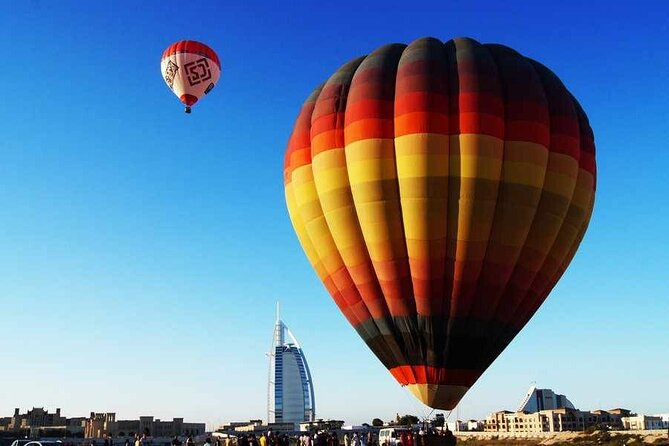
(391, 436)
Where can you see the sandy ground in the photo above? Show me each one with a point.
(648, 437)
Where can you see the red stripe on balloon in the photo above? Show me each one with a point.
(188, 99)
(193, 47)
(423, 374)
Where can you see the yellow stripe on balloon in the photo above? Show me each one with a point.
(301, 232)
(333, 187)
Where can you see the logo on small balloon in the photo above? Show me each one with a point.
(198, 71)
(170, 72)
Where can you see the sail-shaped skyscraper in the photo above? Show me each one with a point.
(290, 391)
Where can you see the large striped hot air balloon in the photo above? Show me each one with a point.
(191, 69)
(440, 191)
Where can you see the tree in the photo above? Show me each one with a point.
(377, 422)
(407, 420)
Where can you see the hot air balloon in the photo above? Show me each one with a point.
(190, 69)
(440, 190)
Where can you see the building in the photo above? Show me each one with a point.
(290, 387)
(497, 421)
(4, 423)
(643, 422)
(321, 425)
(233, 425)
(38, 422)
(32, 419)
(552, 420)
(101, 425)
(255, 426)
(77, 423)
(457, 425)
(543, 399)
(620, 412)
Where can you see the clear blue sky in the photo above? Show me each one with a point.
(142, 249)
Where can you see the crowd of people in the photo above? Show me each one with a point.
(272, 439)
(424, 437)
(324, 438)
(407, 437)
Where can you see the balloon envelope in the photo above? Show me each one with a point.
(440, 191)
(190, 69)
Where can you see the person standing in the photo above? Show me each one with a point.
(207, 442)
(449, 438)
(137, 441)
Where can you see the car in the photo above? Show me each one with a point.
(43, 443)
(392, 436)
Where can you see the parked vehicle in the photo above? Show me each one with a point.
(22, 442)
(391, 436)
(42, 443)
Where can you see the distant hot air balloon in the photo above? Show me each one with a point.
(190, 69)
(440, 191)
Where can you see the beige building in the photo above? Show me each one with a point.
(32, 419)
(643, 422)
(256, 426)
(101, 425)
(320, 425)
(555, 420)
